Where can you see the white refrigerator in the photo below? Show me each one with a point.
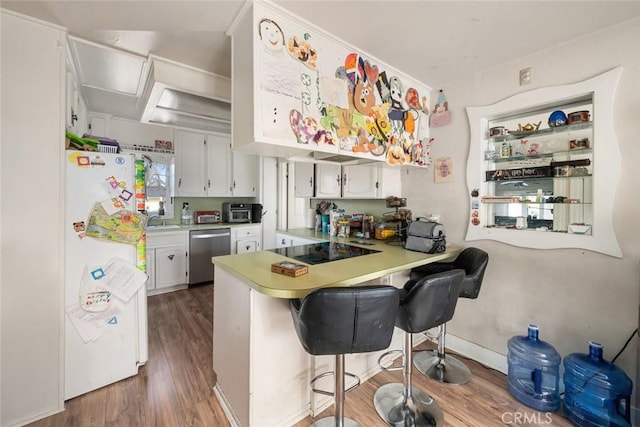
(119, 344)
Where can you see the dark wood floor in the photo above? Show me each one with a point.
(174, 388)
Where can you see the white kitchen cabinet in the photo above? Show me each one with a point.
(167, 254)
(368, 181)
(218, 166)
(191, 164)
(246, 239)
(389, 178)
(328, 180)
(170, 266)
(303, 179)
(76, 117)
(245, 173)
(360, 181)
(206, 167)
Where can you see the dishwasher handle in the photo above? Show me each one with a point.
(206, 236)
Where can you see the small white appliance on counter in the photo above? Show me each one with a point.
(122, 345)
(207, 217)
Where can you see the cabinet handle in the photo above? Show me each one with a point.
(234, 183)
(208, 183)
(345, 178)
(171, 257)
(310, 182)
(180, 182)
(338, 179)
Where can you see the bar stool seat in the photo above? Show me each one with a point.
(424, 304)
(437, 364)
(338, 321)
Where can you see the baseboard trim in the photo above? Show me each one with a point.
(37, 417)
(224, 403)
(478, 353)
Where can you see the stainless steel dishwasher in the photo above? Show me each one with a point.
(204, 244)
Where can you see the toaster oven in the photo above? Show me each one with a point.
(207, 217)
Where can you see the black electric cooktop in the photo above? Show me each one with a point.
(318, 253)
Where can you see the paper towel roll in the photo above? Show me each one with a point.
(310, 219)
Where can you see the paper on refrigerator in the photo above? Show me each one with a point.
(121, 278)
(92, 325)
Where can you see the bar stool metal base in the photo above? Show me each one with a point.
(396, 409)
(403, 405)
(445, 369)
(331, 422)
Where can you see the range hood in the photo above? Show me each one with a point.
(182, 96)
(325, 157)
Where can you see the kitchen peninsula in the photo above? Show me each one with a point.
(263, 372)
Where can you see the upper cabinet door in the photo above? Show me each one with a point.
(360, 181)
(245, 174)
(190, 164)
(218, 166)
(389, 182)
(328, 180)
(303, 176)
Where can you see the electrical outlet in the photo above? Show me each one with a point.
(525, 76)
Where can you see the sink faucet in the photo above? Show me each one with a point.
(151, 218)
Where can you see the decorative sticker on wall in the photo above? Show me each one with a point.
(443, 170)
(440, 115)
(336, 97)
(301, 49)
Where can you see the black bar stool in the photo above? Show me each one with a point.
(424, 304)
(337, 321)
(437, 364)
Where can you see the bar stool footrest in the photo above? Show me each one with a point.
(390, 368)
(331, 373)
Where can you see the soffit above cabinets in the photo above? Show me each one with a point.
(150, 89)
(108, 69)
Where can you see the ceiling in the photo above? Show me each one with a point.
(434, 41)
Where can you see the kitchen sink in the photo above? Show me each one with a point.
(162, 227)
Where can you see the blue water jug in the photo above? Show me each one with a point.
(597, 393)
(534, 371)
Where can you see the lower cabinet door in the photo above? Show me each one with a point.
(151, 269)
(171, 267)
(244, 246)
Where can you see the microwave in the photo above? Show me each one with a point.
(236, 212)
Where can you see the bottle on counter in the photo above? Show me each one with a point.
(186, 214)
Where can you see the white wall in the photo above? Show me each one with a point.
(573, 295)
(31, 215)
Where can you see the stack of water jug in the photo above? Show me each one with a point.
(597, 393)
